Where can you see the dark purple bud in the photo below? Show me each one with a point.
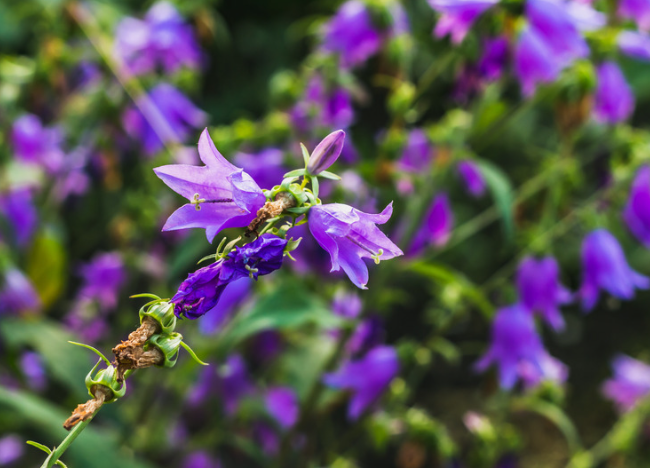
(326, 153)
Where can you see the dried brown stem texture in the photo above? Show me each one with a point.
(86, 410)
(271, 209)
(130, 354)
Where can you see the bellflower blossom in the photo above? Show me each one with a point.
(472, 176)
(322, 107)
(20, 214)
(634, 44)
(11, 449)
(162, 38)
(266, 167)
(366, 378)
(458, 16)
(637, 210)
(517, 350)
(201, 291)
(221, 195)
(417, 153)
(534, 62)
(17, 294)
(494, 58)
(33, 143)
(437, 226)
(168, 115)
(614, 100)
(631, 383)
(349, 236)
(540, 289)
(103, 276)
(347, 304)
(605, 267)
(637, 11)
(351, 34)
(282, 404)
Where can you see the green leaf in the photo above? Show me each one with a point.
(296, 173)
(46, 267)
(503, 195)
(314, 186)
(39, 446)
(305, 154)
(302, 210)
(329, 175)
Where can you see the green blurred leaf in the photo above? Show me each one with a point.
(503, 195)
(46, 267)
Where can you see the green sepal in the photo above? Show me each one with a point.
(301, 210)
(314, 186)
(229, 246)
(292, 245)
(168, 344)
(329, 175)
(298, 192)
(305, 154)
(207, 257)
(148, 295)
(220, 246)
(46, 450)
(193, 354)
(105, 378)
(162, 312)
(96, 351)
(296, 173)
(286, 183)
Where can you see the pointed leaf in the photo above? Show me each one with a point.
(329, 175)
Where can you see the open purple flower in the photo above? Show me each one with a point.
(637, 11)
(458, 16)
(366, 378)
(201, 291)
(36, 144)
(534, 61)
(634, 44)
(437, 227)
(637, 210)
(614, 100)
(631, 382)
(349, 236)
(103, 277)
(162, 38)
(605, 267)
(17, 208)
(517, 350)
(351, 34)
(221, 195)
(540, 289)
(472, 176)
(17, 294)
(282, 405)
(164, 115)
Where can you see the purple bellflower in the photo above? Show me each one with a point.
(634, 44)
(164, 115)
(326, 152)
(351, 34)
(32, 367)
(417, 154)
(162, 38)
(11, 449)
(534, 61)
(221, 195)
(494, 58)
(605, 267)
(282, 404)
(437, 226)
(636, 10)
(266, 167)
(637, 210)
(33, 143)
(517, 350)
(103, 277)
(472, 176)
(631, 383)
(540, 289)
(349, 236)
(347, 304)
(614, 100)
(21, 215)
(321, 107)
(366, 378)
(17, 294)
(458, 16)
(201, 291)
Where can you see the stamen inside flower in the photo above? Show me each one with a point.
(374, 255)
(251, 271)
(197, 200)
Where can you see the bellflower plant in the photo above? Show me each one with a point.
(534, 61)
(33, 143)
(367, 378)
(437, 227)
(637, 11)
(232, 296)
(614, 100)
(102, 279)
(631, 383)
(282, 404)
(517, 349)
(540, 289)
(417, 153)
(458, 16)
(220, 194)
(17, 294)
(349, 236)
(605, 267)
(162, 38)
(472, 176)
(18, 209)
(494, 58)
(637, 210)
(266, 167)
(634, 44)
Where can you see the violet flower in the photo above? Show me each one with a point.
(458, 16)
(282, 404)
(614, 100)
(417, 153)
(631, 383)
(266, 167)
(201, 291)
(169, 117)
(637, 11)
(31, 365)
(20, 214)
(534, 61)
(584, 16)
(637, 210)
(12, 448)
(517, 350)
(162, 38)
(233, 295)
(437, 226)
(540, 289)
(326, 152)
(349, 236)
(366, 378)
(17, 294)
(605, 267)
(36, 144)
(368, 334)
(221, 195)
(233, 383)
(347, 304)
(351, 34)
(494, 58)
(634, 44)
(472, 176)
(322, 107)
(103, 277)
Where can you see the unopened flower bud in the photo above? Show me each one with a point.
(326, 153)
